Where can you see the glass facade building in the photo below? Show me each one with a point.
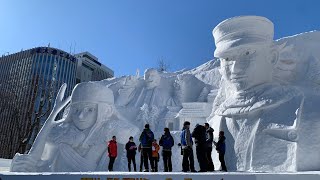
(90, 69)
(29, 82)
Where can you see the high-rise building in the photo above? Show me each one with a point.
(29, 82)
(90, 69)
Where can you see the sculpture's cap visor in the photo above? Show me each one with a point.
(242, 31)
(233, 47)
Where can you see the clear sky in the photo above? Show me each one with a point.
(134, 34)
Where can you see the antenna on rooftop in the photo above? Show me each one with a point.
(70, 48)
(74, 48)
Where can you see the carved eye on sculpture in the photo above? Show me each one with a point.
(249, 52)
(91, 109)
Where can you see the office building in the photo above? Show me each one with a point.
(29, 82)
(90, 69)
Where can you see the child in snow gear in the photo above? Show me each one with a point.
(146, 139)
(167, 143)
(209, 141)
(221, 148)
(186, 143)
(155, 155)
(199, 134)
(112, 152)
(131, 153)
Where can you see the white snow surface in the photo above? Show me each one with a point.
(273, 126)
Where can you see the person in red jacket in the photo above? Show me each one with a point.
(112, 152)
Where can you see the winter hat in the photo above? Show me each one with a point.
(241, 31)
(147, 126)
(186, 123)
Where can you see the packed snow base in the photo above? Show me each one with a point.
(265, 100)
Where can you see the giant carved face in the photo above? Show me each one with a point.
(152, 78)
(247, 67)
(84, 115)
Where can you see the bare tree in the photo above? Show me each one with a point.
(19, 129)
(163, 65)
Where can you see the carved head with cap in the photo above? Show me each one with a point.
(246, 50)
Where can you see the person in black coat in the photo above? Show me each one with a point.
(131, 153)
(167, 143)
(199, 134)
(221, 149)
(209, 142)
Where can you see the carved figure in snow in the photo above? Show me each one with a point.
(252, 102)
(78, 142)
(128, 91)
(157, 91)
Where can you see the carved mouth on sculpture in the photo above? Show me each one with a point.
(237, 77)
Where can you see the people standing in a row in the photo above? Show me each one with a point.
(146, 139)
(199, 134)
(187, 151)
(209, 142)
(167, 143)
(131, 154)
(149, 148)
(112, 152)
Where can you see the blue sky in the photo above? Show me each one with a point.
(134, 34)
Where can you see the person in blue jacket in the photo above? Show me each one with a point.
(221, 149)
(146, 139)
(187, 152)
(167, 143)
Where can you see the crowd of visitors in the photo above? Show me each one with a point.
(149, 149)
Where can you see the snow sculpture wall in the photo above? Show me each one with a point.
(266, 105)
(266, 100)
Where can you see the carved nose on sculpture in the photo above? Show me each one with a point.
(236, 67)
(81, 114)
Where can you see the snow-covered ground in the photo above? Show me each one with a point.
(5, 174)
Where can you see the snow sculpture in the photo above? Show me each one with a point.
(78, 142)
(128, 91)
(250, 102)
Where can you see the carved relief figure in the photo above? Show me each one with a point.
(78, 142)
(252, 101)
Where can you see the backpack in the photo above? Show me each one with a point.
(167, 141)
(147, 138)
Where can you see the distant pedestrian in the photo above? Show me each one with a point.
(199, 134)
(167, 143)
(146, 139)
(112, 152)
(155, 155)
(221, 148)
(186, 143)
(131, 154)
(209, 142)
